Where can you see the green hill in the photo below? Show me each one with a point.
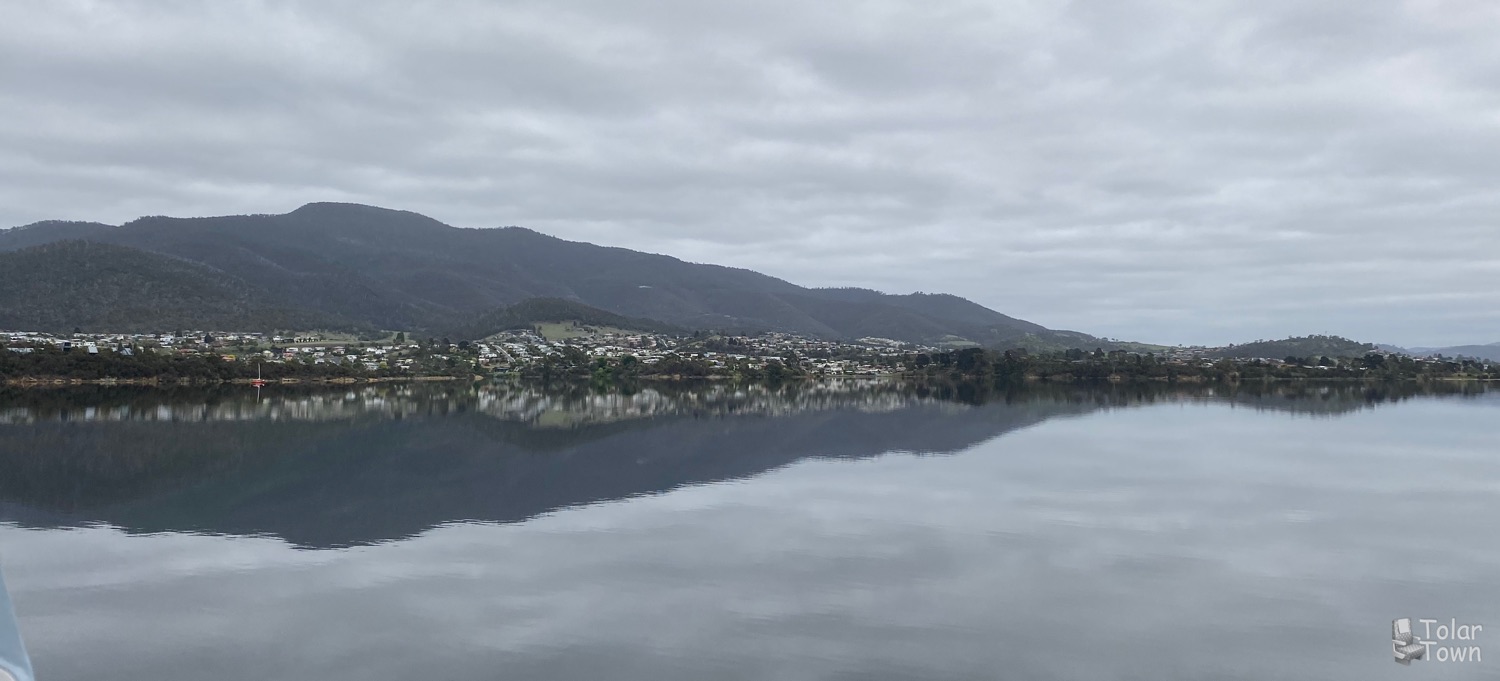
(1306, 346)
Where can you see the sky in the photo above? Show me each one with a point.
(1195, 172)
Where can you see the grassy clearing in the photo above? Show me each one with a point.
(955, 343)
(555, 331)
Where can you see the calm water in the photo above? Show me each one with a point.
(849, 531)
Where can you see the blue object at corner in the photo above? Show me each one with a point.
(12, 654)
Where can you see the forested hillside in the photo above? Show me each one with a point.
(93, 286)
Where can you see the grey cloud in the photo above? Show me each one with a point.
(1174, 172)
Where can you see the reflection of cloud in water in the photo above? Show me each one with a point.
(1184, 540)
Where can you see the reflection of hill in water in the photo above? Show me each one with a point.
(1336, 399)
(334, 468)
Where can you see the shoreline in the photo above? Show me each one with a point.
(158, 382)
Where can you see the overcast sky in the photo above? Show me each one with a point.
(1178, 172)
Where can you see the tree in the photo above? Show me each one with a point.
(401, 337)
(973, 361)
(775, 370)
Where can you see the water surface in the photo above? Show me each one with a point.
(840, 531)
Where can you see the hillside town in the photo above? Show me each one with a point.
(512, 352)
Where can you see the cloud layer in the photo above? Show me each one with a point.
(1166, 171)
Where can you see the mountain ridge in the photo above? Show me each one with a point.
(396, 269)
(1489, 351)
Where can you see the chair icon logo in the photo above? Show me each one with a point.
(1405, 645)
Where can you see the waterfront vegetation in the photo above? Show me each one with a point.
(47, 364)
(1080, 365)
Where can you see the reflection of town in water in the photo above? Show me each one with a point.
(562, 407)
(540, 408)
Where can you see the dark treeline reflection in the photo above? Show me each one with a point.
(330, 467)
